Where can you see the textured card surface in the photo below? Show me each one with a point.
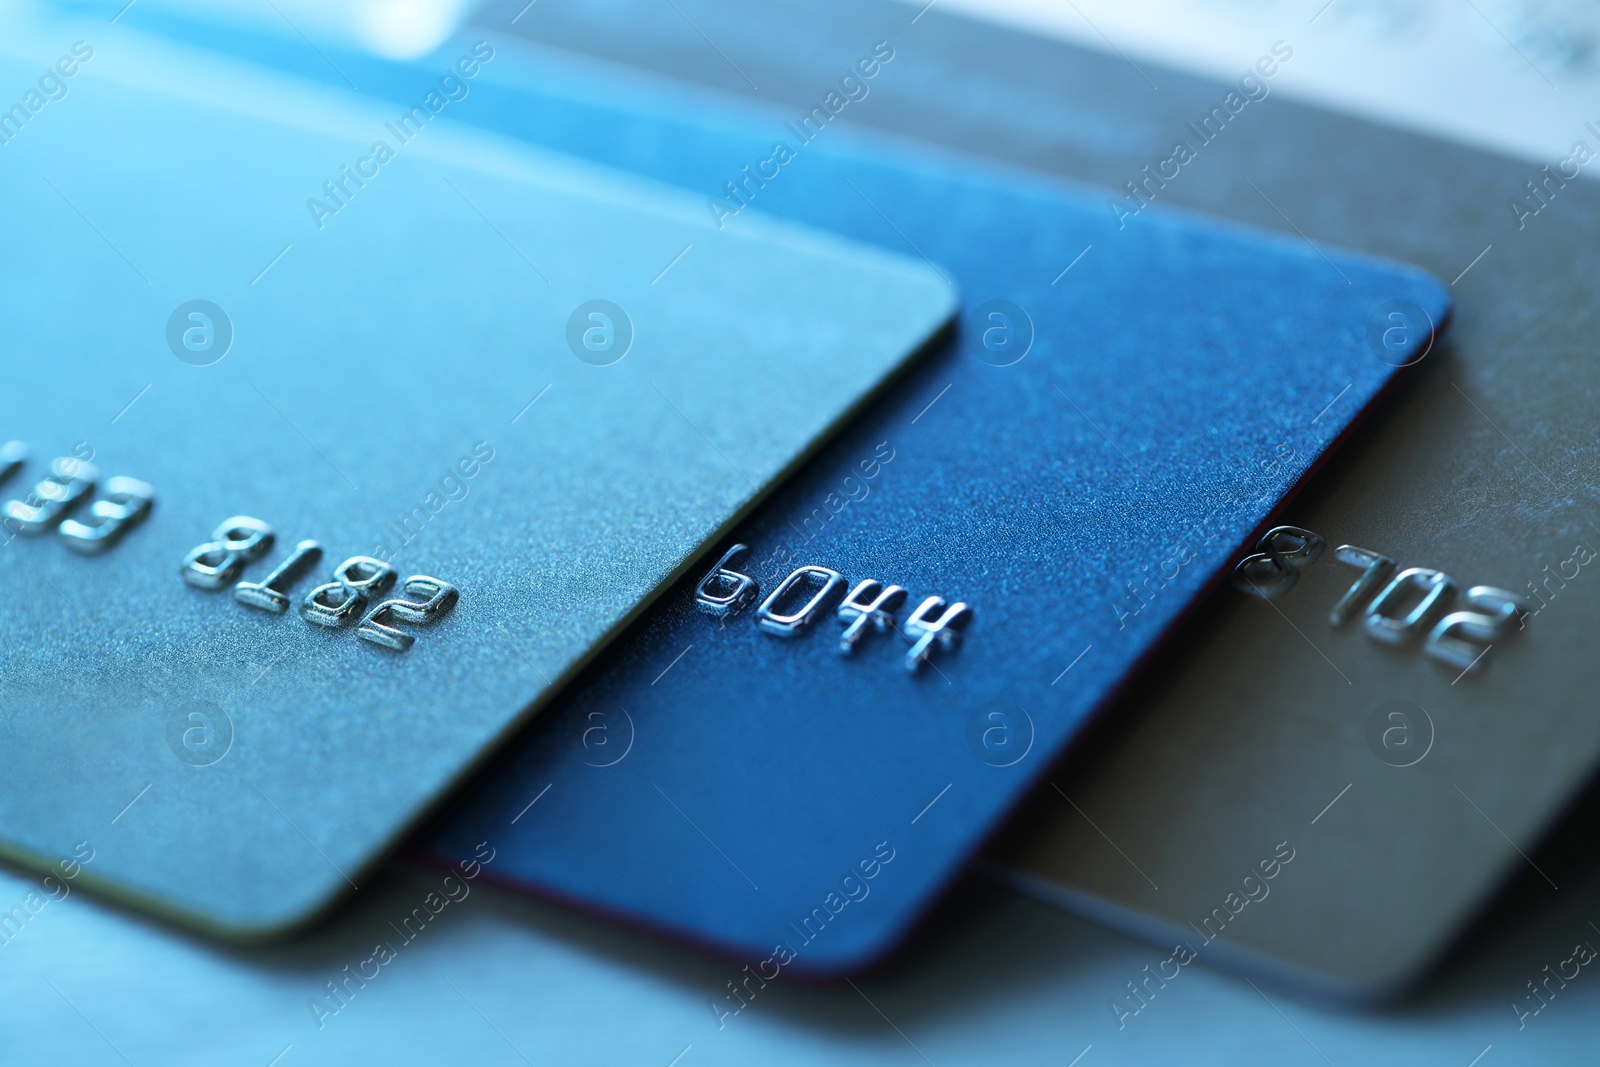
(328, 459)
(1122, 409)
(1408, 794)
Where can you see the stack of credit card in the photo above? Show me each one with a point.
(1120, 410)
(784, 497)
(1408, 780)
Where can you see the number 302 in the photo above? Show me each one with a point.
(1396, 606)
(241, 540)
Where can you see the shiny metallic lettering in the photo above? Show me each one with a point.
(234, 543)
(1281, 554)
(341, 601)
(1298, 548)
(790, 625)
(125, 504)
(438, 598)
(68, 481)
(271, 593)
(1376, 570)
(1453, 639)
(1461, 639)
(738, 589)
(869, 607)
(1435, 587)
(924, 631)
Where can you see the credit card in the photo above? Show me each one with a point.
(1245, 737)
(828, 716)
(1411, 777)
(332, 453)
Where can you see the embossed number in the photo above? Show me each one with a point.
(439, 596)
(1281, 554)
(68, 481)
(870, 606)
(1375, 570)
(126, 503)
(1399, 607)
(234, 543)
(725, 591)
(272, 592)
(1452, 640)
(925, 631)
(1434, 587)
(341, 601)
(768, 617)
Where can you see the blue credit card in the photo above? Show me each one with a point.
(787, 758)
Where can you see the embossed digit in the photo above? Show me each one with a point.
(341, 601)
(869, 607)
(126, 503)
(1298, 548)
(67, 481)
(1435, 587)
(272, 592)
(234, 543)
(1457, 638)
(1375, 571)
(725, 591)
(1262, 575)
(439, 596)
(924, 631)
(789, 625)
(1281, 554)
